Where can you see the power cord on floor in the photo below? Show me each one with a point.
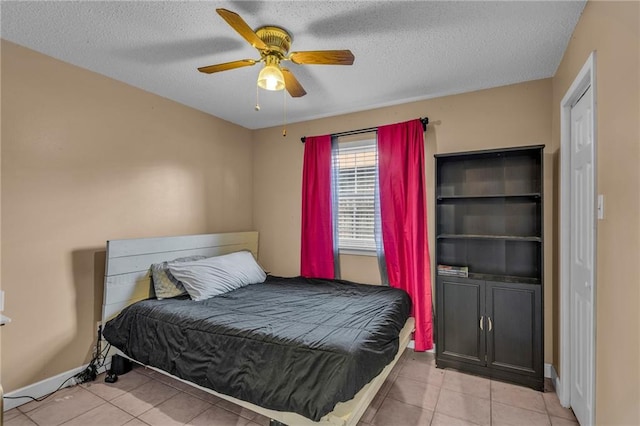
(42, 398)
(89, 374)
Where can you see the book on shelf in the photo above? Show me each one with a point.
(453, 271)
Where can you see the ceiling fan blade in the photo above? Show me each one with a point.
(238, 24)
(292, 84)
(322, 57)
(227, 66)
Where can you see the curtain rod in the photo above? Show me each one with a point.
(424, 120)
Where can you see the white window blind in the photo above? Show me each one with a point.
(356, 164)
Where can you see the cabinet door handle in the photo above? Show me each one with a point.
(481, 321)
(490, 323)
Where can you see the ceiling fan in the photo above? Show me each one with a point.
(273, 43)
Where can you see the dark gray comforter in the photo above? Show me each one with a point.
(288, 344)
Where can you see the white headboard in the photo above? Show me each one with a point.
(127, 279)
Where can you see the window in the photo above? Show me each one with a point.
(356, 166)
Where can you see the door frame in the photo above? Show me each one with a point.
(585, 78)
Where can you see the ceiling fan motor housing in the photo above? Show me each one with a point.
(278, 40)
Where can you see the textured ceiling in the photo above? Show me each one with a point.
(405, 51)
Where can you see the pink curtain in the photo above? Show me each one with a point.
(316, 255)
(404, 220)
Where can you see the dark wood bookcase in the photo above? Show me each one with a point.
(489, 219)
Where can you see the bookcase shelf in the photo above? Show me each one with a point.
(489, 237)
(453, 198)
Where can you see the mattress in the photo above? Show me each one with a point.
(288, 344)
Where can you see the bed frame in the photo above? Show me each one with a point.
(127, 280)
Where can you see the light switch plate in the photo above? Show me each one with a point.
(1, 300)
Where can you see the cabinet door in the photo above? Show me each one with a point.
(514, 340)
(460, 303)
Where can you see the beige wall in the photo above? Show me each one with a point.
(612, 30)
(86, 159)
(506, 116)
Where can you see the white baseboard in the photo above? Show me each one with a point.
(548, 371)
(45, 387)
(564, 399)
(551, 373)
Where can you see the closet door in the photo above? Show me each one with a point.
(461, 331)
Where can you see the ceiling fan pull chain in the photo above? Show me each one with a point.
(257, 108)
(284, 125)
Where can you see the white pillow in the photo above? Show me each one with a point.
(217, 275)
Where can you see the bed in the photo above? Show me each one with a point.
(300, 351)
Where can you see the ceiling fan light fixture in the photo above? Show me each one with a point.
(270, 77)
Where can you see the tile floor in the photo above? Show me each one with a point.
(416, 393)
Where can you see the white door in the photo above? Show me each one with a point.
(582, 258)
